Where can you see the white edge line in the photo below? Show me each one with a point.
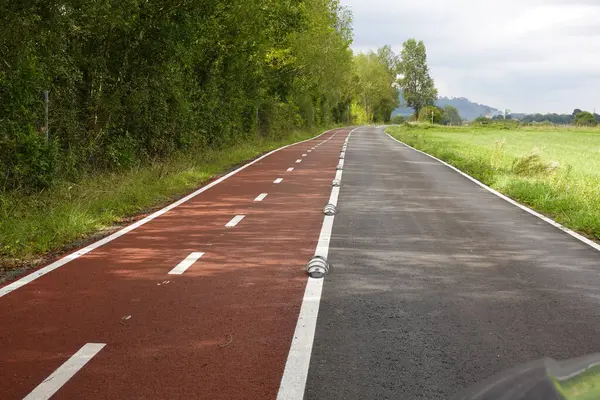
(66, 371)
(261, 197)
(293, 381)
(234, 221)
(511, 201)
(59, 263)
(185, 264)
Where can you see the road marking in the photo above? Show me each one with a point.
(290, 169)
(511, 201)
(298, 161)
(278, 180)
(58, 378)
(185, 264)
(260, 197)
(308, 151)
(293, 381)
(234, 221)
(75, 255)
(304, 155)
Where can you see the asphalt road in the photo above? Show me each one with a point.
(438, 284)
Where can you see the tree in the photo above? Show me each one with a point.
(430, 114)
(585, 118)
(417, 85)
(397, 120)
(450, 116)
(374, 88)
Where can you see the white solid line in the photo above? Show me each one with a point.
(260, 197)
(290, 169)
(234, 221)
(335, 192)
(59, 263)
(338, 174)
(293, 381)
(341, 162)
(511, 201)
(185, 264)
(58, 378)
(298, 161)
(278, 180)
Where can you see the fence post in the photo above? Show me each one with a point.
(46, 101)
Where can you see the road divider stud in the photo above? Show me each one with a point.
(336, 183)
(317, 267)
(330, 209)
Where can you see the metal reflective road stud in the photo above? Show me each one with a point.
(329, 209)
(317, 267)
(336, 183)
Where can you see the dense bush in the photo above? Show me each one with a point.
(132, 81)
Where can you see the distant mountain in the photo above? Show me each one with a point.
(466, 108)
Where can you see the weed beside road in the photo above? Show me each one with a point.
(33, 225)
(554, 170)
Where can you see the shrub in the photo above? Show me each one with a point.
(431, 112)
(398, 120)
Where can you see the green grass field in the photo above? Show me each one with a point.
(555, 170)
(33, 225)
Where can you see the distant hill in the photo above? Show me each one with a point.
(466, 108)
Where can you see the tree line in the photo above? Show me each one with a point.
(578, 117)
(135, 81)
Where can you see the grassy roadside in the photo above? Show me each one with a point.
(31, 226)
(554, 170)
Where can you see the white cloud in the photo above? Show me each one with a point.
(527, 55)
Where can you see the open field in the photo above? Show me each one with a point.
(33, 225)
(555, 170)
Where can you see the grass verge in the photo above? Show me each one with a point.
(34, 226)
(554, 170)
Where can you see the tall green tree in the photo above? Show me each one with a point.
(585, 118)
(450, 115)
(418, 87)
(374, 87)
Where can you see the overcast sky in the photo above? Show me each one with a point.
(525, 55)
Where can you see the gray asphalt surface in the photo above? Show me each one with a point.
(438, 284)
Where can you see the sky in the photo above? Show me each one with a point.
(523, 55)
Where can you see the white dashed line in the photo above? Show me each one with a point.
(304, 155)
(278, 180)
(185, 264)
(234, 221)
(260, 197)
(298, 161)
(290, 169)
(58, 378)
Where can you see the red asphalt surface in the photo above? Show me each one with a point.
(249, 284)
